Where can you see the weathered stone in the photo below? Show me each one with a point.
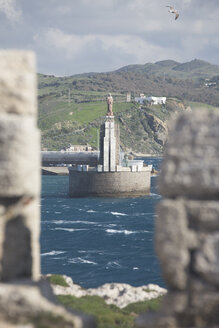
(171, 242)
(187, 236)
(19, 168)
(207, 259)
(175, 303)
(204, 306)
(156, 320)
(18, 83)
(185, 171)
(20, 156)
(203, 215)
(24, 304)
(20, 253)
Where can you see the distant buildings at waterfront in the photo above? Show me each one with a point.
(78, 148)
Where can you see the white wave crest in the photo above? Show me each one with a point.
(52, 253)
(69, 229)
(72, 222)
(81, 260)
(118, 214)
(126, 232)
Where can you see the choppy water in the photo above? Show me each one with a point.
(98, 240)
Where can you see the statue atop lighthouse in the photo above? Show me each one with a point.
(109, 105)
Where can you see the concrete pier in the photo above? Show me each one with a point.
(109, 184)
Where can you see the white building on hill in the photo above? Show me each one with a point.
(156, 100)
(152, 100)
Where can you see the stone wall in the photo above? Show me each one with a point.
(109, 184)
(19, 168)
(25, 300)
(187, 226)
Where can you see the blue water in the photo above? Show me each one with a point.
(98, 240)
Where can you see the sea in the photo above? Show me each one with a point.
(99, 240)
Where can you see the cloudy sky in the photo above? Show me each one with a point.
(77, 36)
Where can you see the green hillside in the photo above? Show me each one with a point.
(190, 81)
(193, 70)
(143, 129)
(72, 108)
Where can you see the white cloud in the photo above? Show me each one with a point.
(8, 7)
(99, 3)
(131, 46)
(77, 36)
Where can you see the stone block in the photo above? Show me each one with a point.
(25, 306)
(185, 171)
(204, 307)
(187, 227)
(207, 259)
(31, 219)
(175, 302)
(20, 156)
(18, 83)
(171, 242)
(155, 320)
(203, 216)
(19, 239)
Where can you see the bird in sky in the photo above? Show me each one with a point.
(173, 11)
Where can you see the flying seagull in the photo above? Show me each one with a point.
(173, 11)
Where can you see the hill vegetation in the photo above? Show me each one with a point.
(72, 108)
(109, 316)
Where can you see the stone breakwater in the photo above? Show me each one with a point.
(118, 294)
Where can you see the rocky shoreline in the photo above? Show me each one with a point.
(119, 294)
(160, 155)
